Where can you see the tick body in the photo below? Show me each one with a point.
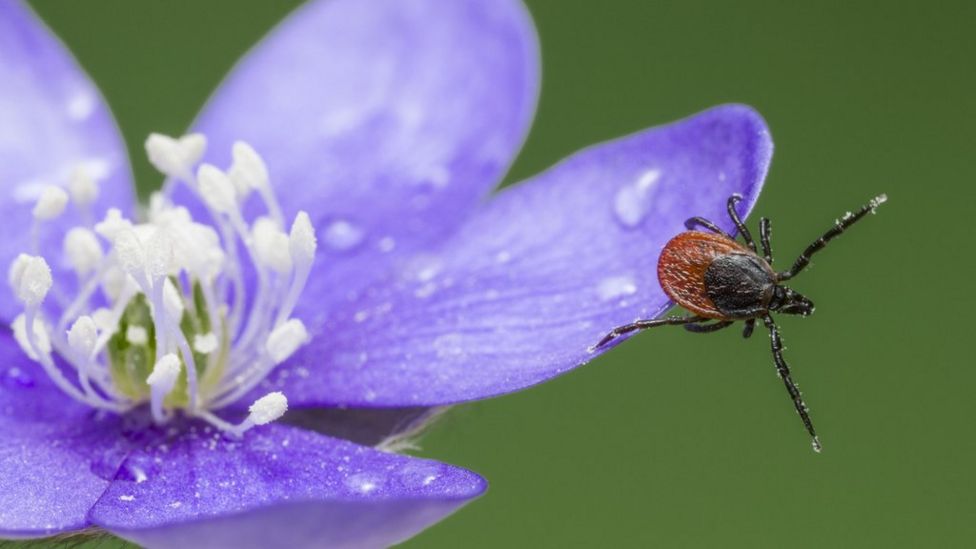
(721, 281)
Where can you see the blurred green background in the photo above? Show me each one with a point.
(683, 440)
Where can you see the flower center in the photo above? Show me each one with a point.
(162, 311)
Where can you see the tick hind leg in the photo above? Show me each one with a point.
(707, 328)
(784, 373)
(644, 325)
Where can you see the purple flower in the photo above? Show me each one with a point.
(162, 351)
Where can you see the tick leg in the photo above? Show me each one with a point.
(839, 227)
(739, 225)
(706, 328)
(750, 326)
(696, 221)
(764, 231)
(645, 324)
(784, 373)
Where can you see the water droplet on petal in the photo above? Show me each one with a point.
(341, 235)
(106, 466)
(417, 475)
(632, 201)
(426, 290)
(386, 244)
(364, 483)
(613, 287)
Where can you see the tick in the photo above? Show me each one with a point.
(721, 281)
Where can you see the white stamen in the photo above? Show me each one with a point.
(301, 241)
(114, 282)
(82, 336)
(159, 255)
(30, 278)
(82, 249)
(216, 189)
(271, 245)
(131, 256)
(206, 343)
(112, 224)
(83, 188)
(268, 408)
(248, 171)
(19, 327)
(103, 320)
(176, 157)
(286, 339)
(136, 335)
(50, 204)
(172, 300)
(188, 277)
(161, 382)
(164, 374)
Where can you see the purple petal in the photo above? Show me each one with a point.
(279, 487)
(386, 120)
(56, 456)
(54, 120)
(538, 275)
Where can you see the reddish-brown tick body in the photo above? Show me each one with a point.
(688, 273)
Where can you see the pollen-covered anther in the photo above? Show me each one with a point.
(176, 157)
(216, 189)
(161, 382)
(82, 187)
(50, 204)
(206, 343)
(82, 249)
(247, 171)
(272, 245)
(302, 241)
(30, 278)
(268, 408)
(286, 339)
(82, 336)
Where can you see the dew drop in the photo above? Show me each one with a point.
(341, 235)
(419, 475)
(631, 202)
(386, 244)
(18, 379)
(613, 287)
(137, 468)
(106, 466)
(426, 290)
(364, 483)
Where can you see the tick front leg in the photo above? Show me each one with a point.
(645, 324)
(696, 221)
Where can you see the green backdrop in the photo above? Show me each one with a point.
(683, 440)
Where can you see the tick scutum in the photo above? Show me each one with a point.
(739, 285)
